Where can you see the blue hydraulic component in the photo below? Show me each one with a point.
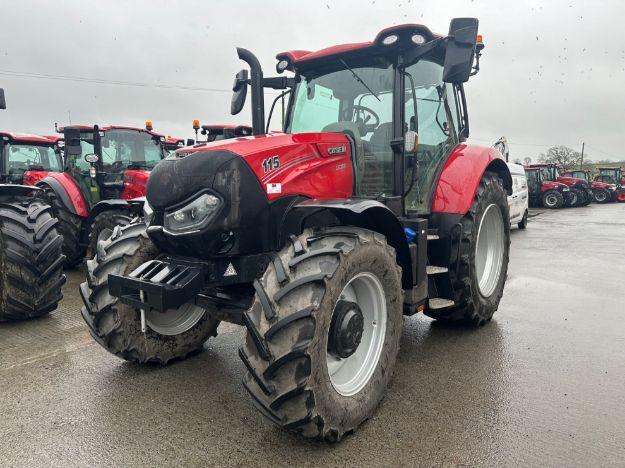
(410, 234)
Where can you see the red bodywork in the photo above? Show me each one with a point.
(31, 177)
(461, 176)
(134, 184)
(72, 190)
(568, 181)
(595, 185)
(306, 168)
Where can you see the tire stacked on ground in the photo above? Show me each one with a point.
(116, 327)
(31, 262)
(304, 324)
(478, 262)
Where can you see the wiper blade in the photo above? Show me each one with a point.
(360, 80)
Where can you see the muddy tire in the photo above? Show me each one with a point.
(31, 262)
(294, 376)
(602, 196)
(102, 223)
(69, 226)
(552, 199)
(479, 274)
(575, 198)
(117, 327)
(523, 223)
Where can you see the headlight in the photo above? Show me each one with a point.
(612, 186)
(565, 189)
(148, 213)
(194, 214)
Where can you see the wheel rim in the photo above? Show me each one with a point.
(174, 321)
(489, 250)
(551, 200)
(349, 375)
(600, 196)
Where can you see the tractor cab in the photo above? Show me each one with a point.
(545, 191)
(26, 159)
(579, 174)
(111, 162)
(171, 144)
(611, 175)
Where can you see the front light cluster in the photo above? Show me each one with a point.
(565, 189)
(194, 214)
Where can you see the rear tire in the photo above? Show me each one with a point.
(477, 293)
(293, 379)
(107, 220)
(523, 223)
(116, 326)
(31, 272)
(586, 199)
(575, 198)
(552, 199)
(69, 227)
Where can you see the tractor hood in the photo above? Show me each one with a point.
(571, 180)
(601, 185)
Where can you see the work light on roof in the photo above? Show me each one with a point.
(418, 39)
(282, 65)
(390, 39)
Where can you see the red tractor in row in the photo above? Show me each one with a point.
(614, 176)
(31, 277)
(547, 193)
(370, 205)
(105, 170)
(602, 192)
(580, 193)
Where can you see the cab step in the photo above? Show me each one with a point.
(438, 303)
(435, 270)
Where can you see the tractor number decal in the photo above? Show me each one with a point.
(270, 164)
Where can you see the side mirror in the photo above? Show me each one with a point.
(460, 50)
(91, 158)
(190, 142)
(411, 142)
(3, 103)
(240, 92)
(72, 141)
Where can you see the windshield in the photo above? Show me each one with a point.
(23, 157)
(579, 174)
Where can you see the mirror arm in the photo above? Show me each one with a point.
(416, 54)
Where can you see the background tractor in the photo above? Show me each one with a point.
(369, 205)
(26, 158)
(615, 176)
(545, 193)
(602, 192)
(580, 193)
(105, 170)
(31, 277)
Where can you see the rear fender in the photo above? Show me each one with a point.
(67, 192)
(107, 205)
(11, 192)
(367, 214)
(461, 176)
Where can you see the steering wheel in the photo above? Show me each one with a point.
(116, 166)
(362, 116)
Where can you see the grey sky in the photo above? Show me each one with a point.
(552, 72)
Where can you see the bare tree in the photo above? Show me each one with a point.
(566, 157)
(527, 160)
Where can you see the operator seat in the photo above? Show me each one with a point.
(351, 129)
(380, 141)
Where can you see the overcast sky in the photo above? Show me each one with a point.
(553, 72)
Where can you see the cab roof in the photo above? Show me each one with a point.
(26, 137)
(88, 128)
(404, 32)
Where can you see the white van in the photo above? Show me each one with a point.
(519, 200)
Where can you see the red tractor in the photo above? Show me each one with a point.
(580, 193)
(26, 158)
(614, 176)
(368, 206)
(602, 192)
(545, 193)
(105, 170)
(31, 277)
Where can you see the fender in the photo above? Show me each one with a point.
(461, 176)
(551, 185)
(14, 190)
(106, 205)
(367, 214)
(32, 177)
(68, 192)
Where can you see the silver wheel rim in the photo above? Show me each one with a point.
(600, 196)
(174, 321)
(489, 250)
(551, 200)
(349, 375)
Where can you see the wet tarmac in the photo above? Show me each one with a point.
(542, 385)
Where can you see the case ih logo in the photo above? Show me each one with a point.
(337, 150)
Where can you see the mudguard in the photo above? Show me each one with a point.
(15, 191)
(105, 205)
(368, 214)
(67, 191)
(461, 176)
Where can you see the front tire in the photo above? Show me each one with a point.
(294, 375)
(102, 223)
(602, 196)
(552, 199)
(479, 274)
(117, 327)
(523, 223)
(31, 276)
